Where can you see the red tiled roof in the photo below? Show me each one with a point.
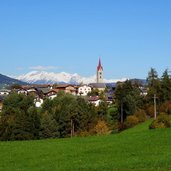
(93, 98)
(62, 86)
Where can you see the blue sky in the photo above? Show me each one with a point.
(130, 36)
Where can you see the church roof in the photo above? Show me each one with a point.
(98, 85)
(99, 67)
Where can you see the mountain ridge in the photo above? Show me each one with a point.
(44, 77)
(6, 80)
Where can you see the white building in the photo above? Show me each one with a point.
(84, 90)
(95, 100)
(22, 91)
(51, 97)
(38, 102)
(5, 92)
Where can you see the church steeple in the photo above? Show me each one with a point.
(99, 72)
(99, 67)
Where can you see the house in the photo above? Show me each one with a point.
(144, 91)
(38, 102)
(22, 91)
(83, 90)
(27, 90)
(52, 94)
(5, 92)
(42, 92)
(94, 100)
(32, 91)
(67, 88)
(109, 98)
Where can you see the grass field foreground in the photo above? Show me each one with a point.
(138, 149)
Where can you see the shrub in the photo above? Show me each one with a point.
(150, 110)
(101, 128)
(83, 134)
(131, 121)
(121, 127)
(141, 115)
(162, 121)
(166, 107)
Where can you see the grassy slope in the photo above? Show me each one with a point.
(136, 149)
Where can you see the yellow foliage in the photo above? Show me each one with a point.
(101, 128)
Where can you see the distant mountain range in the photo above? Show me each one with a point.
(6, 81)
(43, 77)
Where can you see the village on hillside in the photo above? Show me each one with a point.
(91, 92)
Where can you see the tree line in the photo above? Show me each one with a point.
(68, 115)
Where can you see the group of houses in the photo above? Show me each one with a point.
(41, 92)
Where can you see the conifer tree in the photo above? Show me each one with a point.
(165, 86)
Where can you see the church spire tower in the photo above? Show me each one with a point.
(99, 72)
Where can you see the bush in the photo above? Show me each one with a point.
(166, 107)
(83, 134)
(121, 127)
(131, 121)
(141, 115)
(150, 111)
(112, 116)
(101, 128)
(162, 121)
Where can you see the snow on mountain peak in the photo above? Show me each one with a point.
(44, 77)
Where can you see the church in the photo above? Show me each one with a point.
(99, 72)
(100, 85)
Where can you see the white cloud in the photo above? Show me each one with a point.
(43, 68)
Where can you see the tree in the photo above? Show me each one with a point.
(47, 106)
(102, 110)
(19, 120)
(86, 115)
(165, 87)
(34, 120)
(65, 111)
(128, 99)
(154, 86)
(49, 126)
(152, 77)
(112, 116)
(82, 117)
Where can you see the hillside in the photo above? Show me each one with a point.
(4, 80)
(137, 149)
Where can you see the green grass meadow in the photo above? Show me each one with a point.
(138, 149)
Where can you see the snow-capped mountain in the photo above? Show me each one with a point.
(43, 77)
